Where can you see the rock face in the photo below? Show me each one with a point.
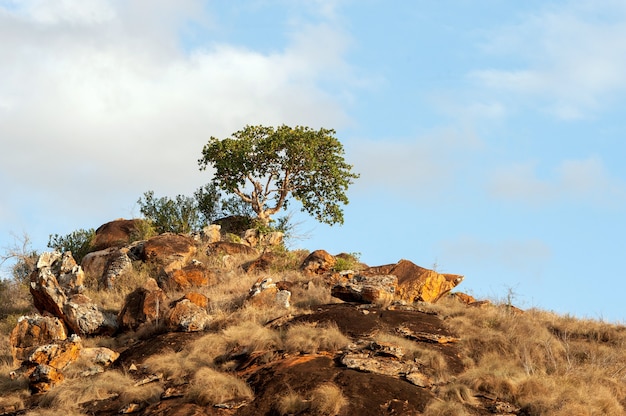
(318, 262)
(193, 275)
(76, 310)
(378, 289)
(145, 304)
(416, 283)
(85, 318)
(211, 233)
(266, 292)
(44, 364)
(187, 316)
(33, 331)
(116, 233)
(224, 247)
(108, 265)
(170, 251)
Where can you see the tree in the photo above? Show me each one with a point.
(265, 165)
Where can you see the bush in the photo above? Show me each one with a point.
(78, 242)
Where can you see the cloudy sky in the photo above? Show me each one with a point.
(490, 135)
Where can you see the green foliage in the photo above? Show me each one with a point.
(179, 215)
(346, 261)
(78, 242)
(264, 165)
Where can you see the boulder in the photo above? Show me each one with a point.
(251, 237)
(169, 251)
(234, 224)
(416, 283)
(378, 289)
(48, 296)
(196, 298)
(185, 315)
(108, 265)
(264, 292)
(272, 239)
(192, 275)
(43, 378)
(71, 276)
(83, 317)
(318, 262)
(463, 297)
(99, 356)
(211, 233)
(33, 331)
(262, 263)
(57, 355)
(144, 305)
(225, 247)
(116, 233)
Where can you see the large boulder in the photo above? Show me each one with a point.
(44, 365)
(378, 289)
(48, 296)
(264, 292)
(228, 248)
(83, 317)
(318, 262)
(188, 315)
(147, 304)
(116, 233)
(32, 332)
(192, 275)
(169, 251)
(417, 283)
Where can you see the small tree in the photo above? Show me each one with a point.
(78, 242)
(264, 165)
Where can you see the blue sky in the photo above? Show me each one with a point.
(489, 135)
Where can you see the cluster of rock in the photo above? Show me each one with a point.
(43, 345)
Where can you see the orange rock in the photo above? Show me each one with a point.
(57, 355)
(187, 316)
(145, 304)
(33, 331)
(170, 251)
(198, 299)
(318, 262)
(116, 233)
(189, 276)
(43, 378)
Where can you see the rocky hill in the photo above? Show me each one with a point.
(229, 322)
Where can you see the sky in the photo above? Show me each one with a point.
(489, 135)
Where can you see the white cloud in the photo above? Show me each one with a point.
(572, 57)
(582, 181)
(96, 110)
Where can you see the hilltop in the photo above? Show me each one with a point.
(228, 321)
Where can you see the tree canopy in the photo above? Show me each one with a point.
(265, 166)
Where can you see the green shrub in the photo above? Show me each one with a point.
(78, 242)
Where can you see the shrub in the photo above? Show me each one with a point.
(78, 242)
(327, 399)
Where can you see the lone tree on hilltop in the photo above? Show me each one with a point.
(263, 165)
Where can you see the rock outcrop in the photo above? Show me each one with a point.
(192, 275)
(416, 283)
(318, 262)
(378, 289)
(147, 304)
(76, 310)
(169, 251)
(189, 313)
(266, 292)
(32, 332)
(117, 233)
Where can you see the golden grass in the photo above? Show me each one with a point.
(445, 408)
(327, 399)
(210, 387)
(312, 338)
(291, 404)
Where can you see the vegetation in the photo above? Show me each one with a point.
(265, 165)
(78, 242)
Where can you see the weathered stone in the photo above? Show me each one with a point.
(318, 262)
(193, 275)
(118, 264)
(71, 277)
(48, 296)
(211, 233)
(43, 378)
(251, 237)
(379, 289)
(378, 365)
(234, 224)
(274, 238)
(116, 233)
(83, 317)
(197, 298)
(170, 251)
(94, 263)
(57, 355)
(144, 305)
(416, 283)
(224, 247)
(264, 292)
(186, 316)
(100, 356)
(33, 331)
(263, 263)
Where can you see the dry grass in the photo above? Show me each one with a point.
(111, 384)
(445, 408)
(291, 404)
(327, 399)
(311, 338)
(210, 387)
